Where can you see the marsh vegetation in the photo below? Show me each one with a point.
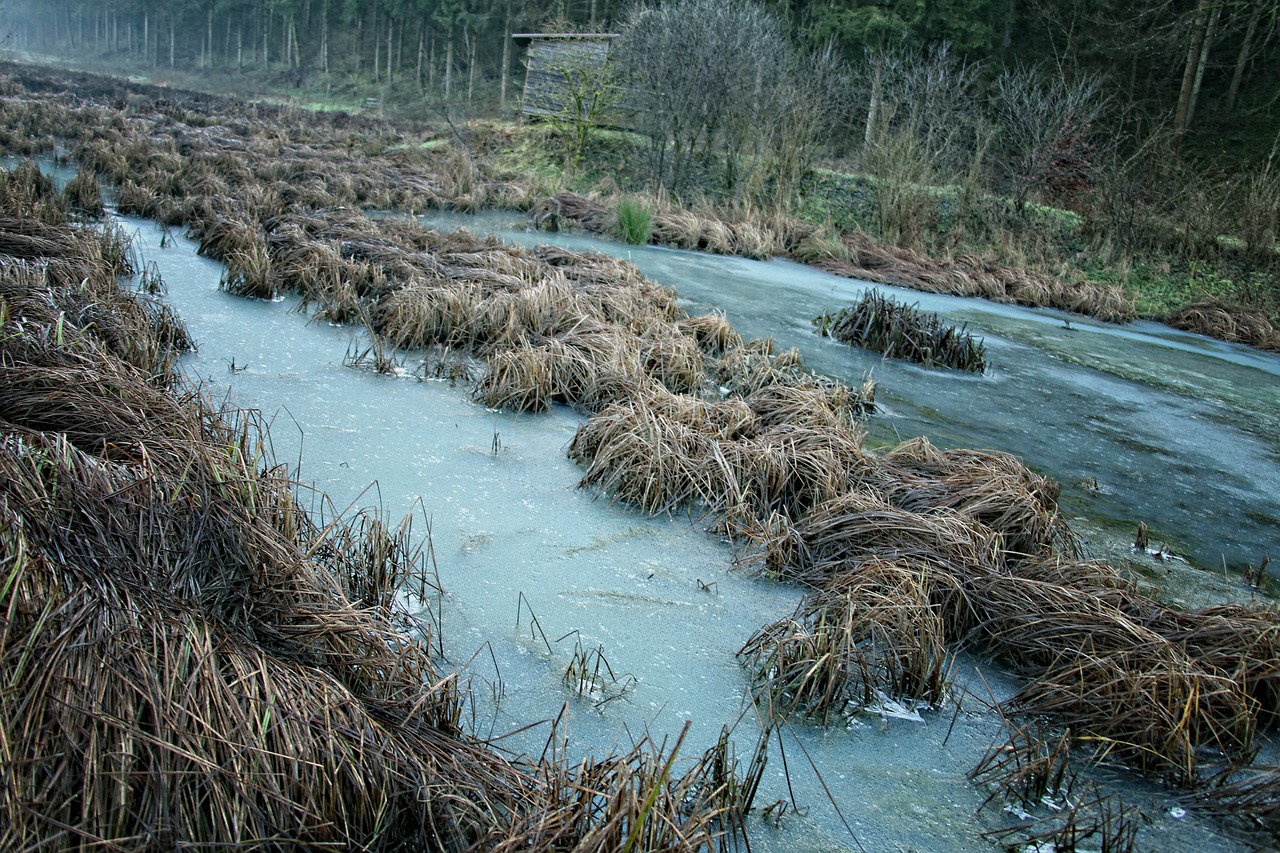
(142, 519)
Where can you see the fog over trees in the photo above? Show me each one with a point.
(1195, 64)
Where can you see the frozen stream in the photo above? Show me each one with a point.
(1177, 430)
(513, 535)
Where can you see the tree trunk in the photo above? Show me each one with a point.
(324, 37)
(1205, 45)
(1006, 40)
(448, 65)
(506, 57)
(173, 38)
(869, 134)
(1189, 73)
(390, 32)
(1242, 59)
(422, 45)
(471, 67)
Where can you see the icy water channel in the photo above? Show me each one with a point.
(1182, 435)
(1138, 422)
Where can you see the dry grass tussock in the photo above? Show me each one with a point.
(732, 457)
(169, 613)
(896, 330)
(872, 635)
(1228, 323)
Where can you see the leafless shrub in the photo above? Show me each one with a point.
(718, 89)
(1047, 142)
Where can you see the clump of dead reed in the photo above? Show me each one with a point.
(1230, 323)
(993, 488)
(1027, 768)
(639, 457)
(746, 368)
(661, 451)
(812, 402)
(1151, 707)
(788, 469)
(880, 323)
(871, 635)
(25, 188)
(859, 525)
(523, 379)
(713, 333)
(634, 220)
(1238, 641)
(83, 196)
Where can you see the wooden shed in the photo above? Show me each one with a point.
(549, 54)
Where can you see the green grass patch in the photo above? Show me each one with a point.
(635, 221)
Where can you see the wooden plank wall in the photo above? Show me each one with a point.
(547, 59)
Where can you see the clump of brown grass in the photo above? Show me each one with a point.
(817, 404)
(1238, 641)
(881, 324)
(965, 275)
(871, 634)
(713, 333)
(26, 188)
(993, 488)
(638, 456)
(860, 525)
(788, 469)
(1153, 707)
(569, 206)
(1226, 322)
(672, 358)
(83, 196)
(248, 273)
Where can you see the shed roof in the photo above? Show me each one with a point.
(525, 38)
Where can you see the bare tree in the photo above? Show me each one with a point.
(718, 87)
(1046, 125)
(928, 95)
(924, 127)
(810, 102)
